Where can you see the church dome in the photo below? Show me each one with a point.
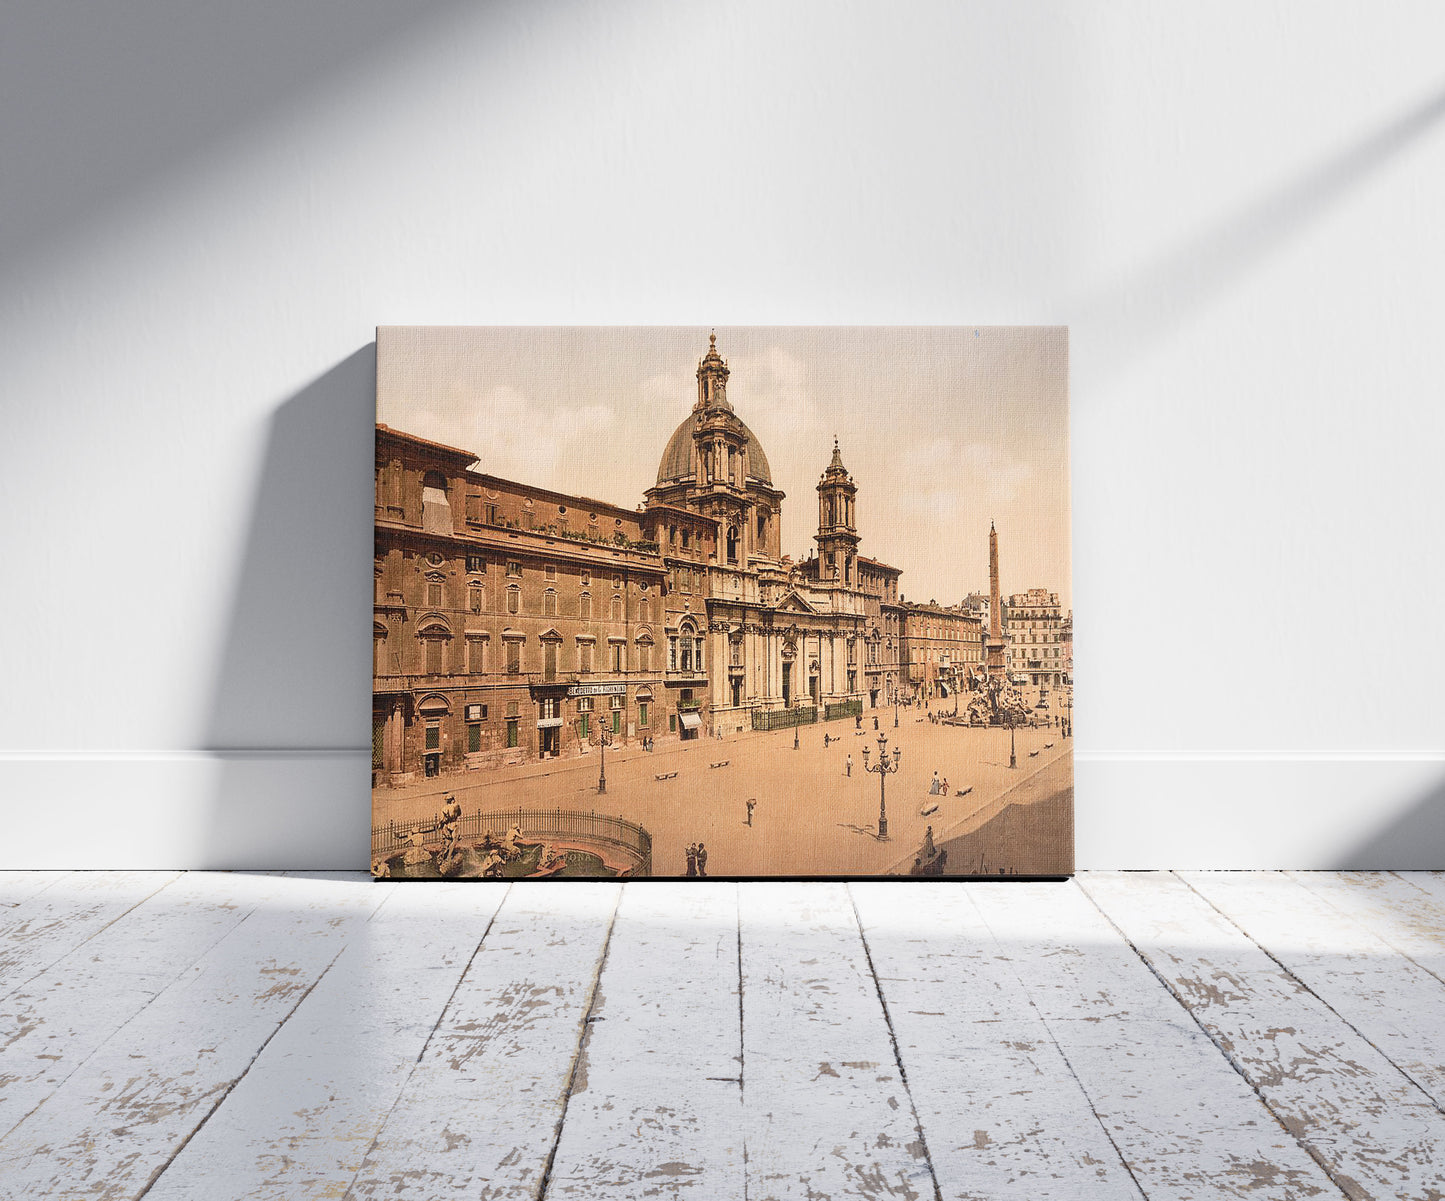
(676, 462)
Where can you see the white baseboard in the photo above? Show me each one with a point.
(311, 809)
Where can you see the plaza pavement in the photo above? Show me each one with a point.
(811, 817)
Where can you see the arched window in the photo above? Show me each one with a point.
(732, 544)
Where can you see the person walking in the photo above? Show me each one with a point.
(701, 860)
(933, 787)
(848, 769)
(692, 859)
(944, 786)
(752, 804)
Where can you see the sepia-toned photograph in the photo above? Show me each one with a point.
(732, 602)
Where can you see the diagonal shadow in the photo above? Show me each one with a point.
(100, 100)
(1412, 842)
(1147, 305)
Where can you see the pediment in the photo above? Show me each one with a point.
(793, 603)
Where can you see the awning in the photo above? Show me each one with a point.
(548, 723)
(691, 720)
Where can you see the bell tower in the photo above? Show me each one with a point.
(837, 536)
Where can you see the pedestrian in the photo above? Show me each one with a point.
(849, 769)
(945, 785)
(929, 850)
(701, 860)
(692, 859)
(933, 787)
(752, 804)
(875, 721)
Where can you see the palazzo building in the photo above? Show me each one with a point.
(514, 623)
(1036, 637)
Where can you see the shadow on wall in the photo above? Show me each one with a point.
(1415, 841)
(119, 96)
(288, 718)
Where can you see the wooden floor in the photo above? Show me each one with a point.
(1189, 1035)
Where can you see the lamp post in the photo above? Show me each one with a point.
(604, 740)
(796, 713)
(1013, 759)
(882, 768)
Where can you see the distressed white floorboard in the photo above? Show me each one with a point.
(1392, 1002)
(16, 887)
(827, 1113)
(1375, 1131)
(1402, 908)
(51, 1024)
(46, 925)
(1001, 1113)
(656, 1107)
(299, 1123)
(1186, 1124)
(480, 1113)
(126, 1111)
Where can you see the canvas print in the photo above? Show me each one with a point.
(733, 602)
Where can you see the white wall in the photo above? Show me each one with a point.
(205, 208)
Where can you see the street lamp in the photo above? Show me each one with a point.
(1013, 759)
(604, 740)
(882, 768)
(796, 713)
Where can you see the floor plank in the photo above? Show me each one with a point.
(1369, 1125)
(51, 1024)
(1003, 1116)
(480, 1113)
(1389, 1000)
(827, 1113)
(16, 887)
(46, 925)
(123, 1114)
(1186, 1124)
(656, 1110)
(1402, 908)
(300, 1122)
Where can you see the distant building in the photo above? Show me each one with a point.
(943, 648)
(1034, 630)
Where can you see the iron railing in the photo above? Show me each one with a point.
(782, 719)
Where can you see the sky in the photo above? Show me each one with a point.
(943, 429)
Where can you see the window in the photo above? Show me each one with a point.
(436, 513)
(476, 655)
(672, 723)
(672, 654)
(477, 564)
(514, 658)
(616, 608)
(614, 702)
(476, 598)
(514, 569)
(584, 726)
(641, 713)
(584, 657)
(584, 704)
(550, 571)
(474, 506)
(644, 657)
(586, 577)
(549, 707)
(433, 736)
(492, 516)
(619, 656)
(549, 602)
(617, 721)
(732, 542)
(512, 724)
(434, 593)
(433, 656)
(584, 606)
(514, 599)
(474, 737)
(549, 660)
(644, 612)
(686, 538)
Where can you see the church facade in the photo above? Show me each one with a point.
(515, 623)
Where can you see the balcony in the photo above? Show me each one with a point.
(691, 706)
